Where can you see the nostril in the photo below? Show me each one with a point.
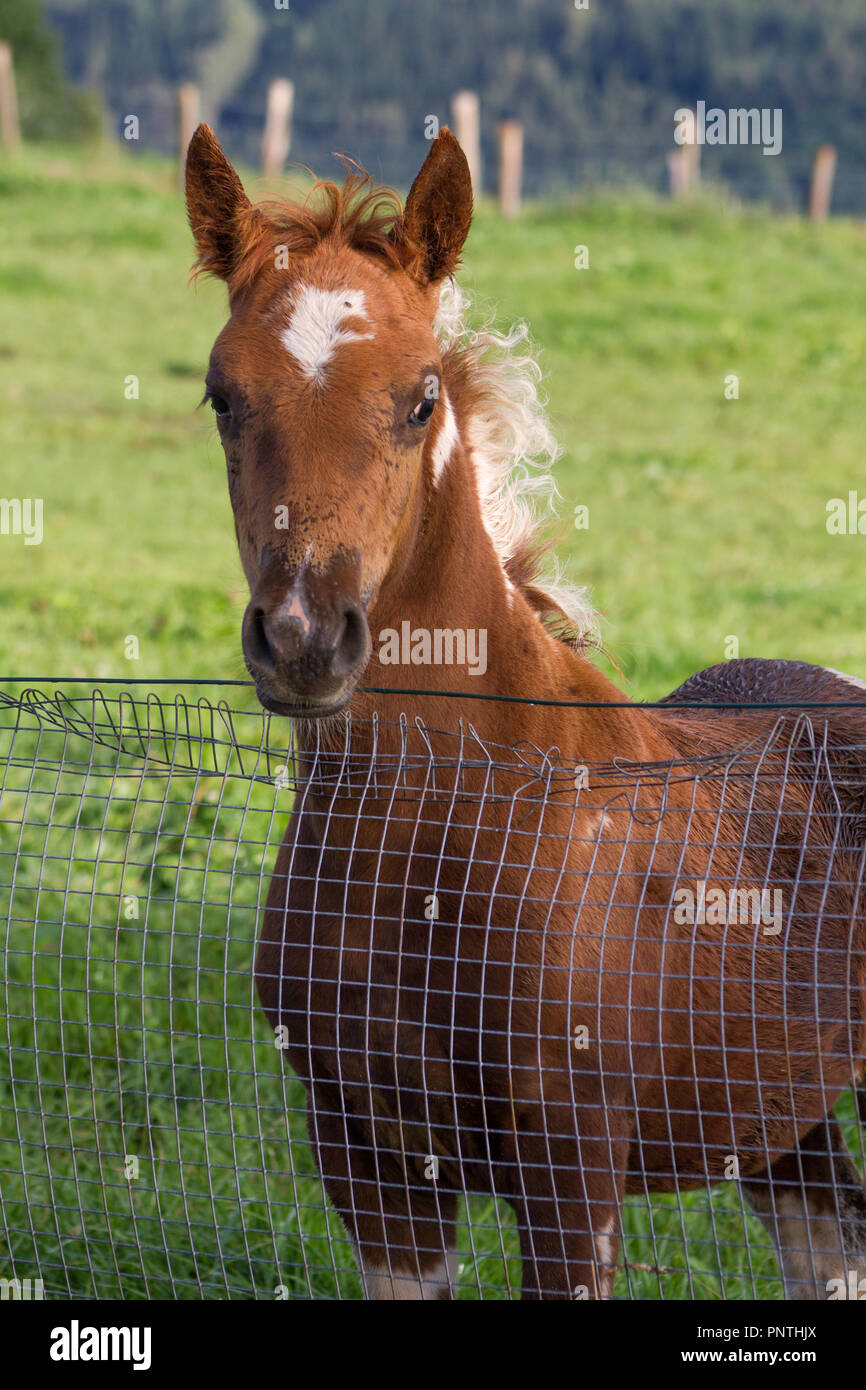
(353, 638)
(259, 648)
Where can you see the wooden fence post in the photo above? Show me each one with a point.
(466, 111)
(821, 191)
(277, 136)
(10, 136)
(510, 167)
(188, 107)
(684, 163)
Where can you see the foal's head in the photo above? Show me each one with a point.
(325, 387)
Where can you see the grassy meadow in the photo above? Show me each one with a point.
(707, 515)
(136, 1038)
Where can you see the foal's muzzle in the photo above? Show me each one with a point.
(306, 647)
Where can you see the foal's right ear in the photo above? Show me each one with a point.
(220, 213)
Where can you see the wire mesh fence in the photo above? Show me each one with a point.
(487, 1022)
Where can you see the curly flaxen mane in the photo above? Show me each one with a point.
(513, 451)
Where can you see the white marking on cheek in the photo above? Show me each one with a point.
(446, 439)
(316, 329)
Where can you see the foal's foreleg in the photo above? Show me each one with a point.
(571, 1192)
(813, 1203)
(402, 1227)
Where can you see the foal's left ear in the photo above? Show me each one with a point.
(438, 212)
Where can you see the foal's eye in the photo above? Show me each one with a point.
(220, 407)
(422, 412)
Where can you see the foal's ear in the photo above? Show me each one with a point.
(220, 213)
(438, 212)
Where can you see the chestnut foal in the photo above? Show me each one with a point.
(485, 993)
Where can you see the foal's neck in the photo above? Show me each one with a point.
(449, 578)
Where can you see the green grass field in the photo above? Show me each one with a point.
(707, 516)
(707, 521)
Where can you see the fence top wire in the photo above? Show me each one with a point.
(138, 723)
(203, 737)
(59, 681)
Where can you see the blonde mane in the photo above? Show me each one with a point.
(513, 451)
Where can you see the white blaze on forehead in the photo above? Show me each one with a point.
(316, 329)
(445, 439)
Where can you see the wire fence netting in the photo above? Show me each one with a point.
(489, 1021)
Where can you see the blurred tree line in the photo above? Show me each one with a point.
(48, 108)
(595, 88)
